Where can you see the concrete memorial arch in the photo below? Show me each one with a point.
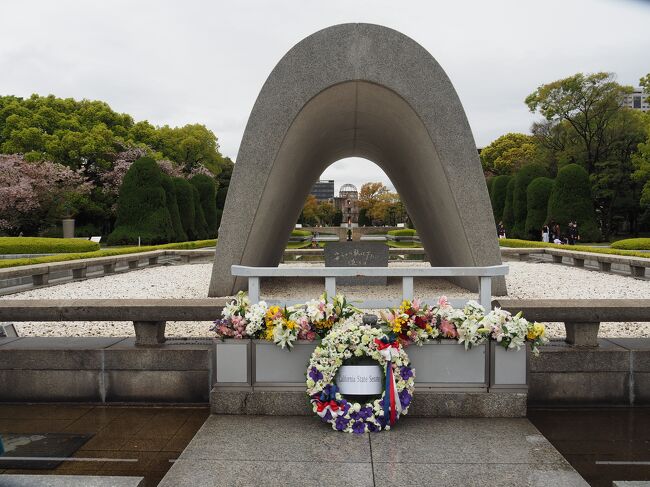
(357, 90)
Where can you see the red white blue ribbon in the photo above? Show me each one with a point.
(392, 404)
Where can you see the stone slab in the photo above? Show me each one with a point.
(62, 343)
(17, 480)
(187, 386)
(425, 404)
(52, 359)
(579, 388)
(290, 450)
(50, 385)
(561, 357)
(357, 254)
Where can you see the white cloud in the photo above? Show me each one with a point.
(177, 62)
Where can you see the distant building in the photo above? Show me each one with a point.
(637, 100)
(347, 202)
(323, 190)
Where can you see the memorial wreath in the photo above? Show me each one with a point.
(348, 342)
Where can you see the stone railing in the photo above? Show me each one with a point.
(484, 275)
(149, 316)
(581, 317)
(637, 265)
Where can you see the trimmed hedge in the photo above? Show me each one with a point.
(172, 206)
(199, 217)
(508, 216)
(207, 189)
(519, 199)
(300, 233)
(537, 196)
(403, 232)
(527, 244)
(106, 253)
(404, 245)
(142, 207)
(632, 244)
(43, 245)
(185, 201)
(571, 200)
(498, 195)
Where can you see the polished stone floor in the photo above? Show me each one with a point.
(133, 440)
(266, 450)
(602, 444)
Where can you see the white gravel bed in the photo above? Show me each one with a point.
(526, 280)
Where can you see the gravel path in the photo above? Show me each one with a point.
(526, 280)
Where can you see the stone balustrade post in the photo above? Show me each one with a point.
(149, 333)
(582, 334)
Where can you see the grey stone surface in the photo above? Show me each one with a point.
(477, 475)
(579, 388)
(227, 473)
(275, 438)
(631, 483)
(50, 386)
(425, 403)
(20, 480)
(257, 450)
(357, 254)
(357, 90)
(62, 343)
(561, 357)
(186, 386)
(582, 334)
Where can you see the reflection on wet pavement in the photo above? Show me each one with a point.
(141, 441)
(602, 444)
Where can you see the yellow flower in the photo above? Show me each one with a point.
(535, 331)
(428, 329)
(268, 334)
(291, 324)
(397, 324)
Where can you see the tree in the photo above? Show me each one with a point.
(185, 200)
(326, 212)
(537, 195)
(364, 221)
(570, 200)
(508, 153)
(338, 218)
(641, 175)
(508, 208)
(309, 214)
(645, 84)
(172, 207)
(489, 182)
(588, 103)
(223, 183)
(498, 196)
(142, 207)
(34, 195)
(200, 224)
(207, 194)
(190, 146)
(519, 204)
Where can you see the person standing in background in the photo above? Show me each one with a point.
(546, 233)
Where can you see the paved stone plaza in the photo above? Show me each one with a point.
(265, 450)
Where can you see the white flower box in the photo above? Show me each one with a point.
(233, 363)
(447, 365)
(509, 368)
(277, 367)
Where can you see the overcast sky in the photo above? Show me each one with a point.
(178, 62)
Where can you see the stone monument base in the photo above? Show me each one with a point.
(425, 403)
(357, 254)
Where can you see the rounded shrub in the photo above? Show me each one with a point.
(142, 207)
(519, 199)
(43, 245)
(489, 182)
(185, 202)
(172, 206)
(537, 196)
(631, 244)
(498, 195)
(508, 216)
(199, 217)
(571, 200)
(207, 189)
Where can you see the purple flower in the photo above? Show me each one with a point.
(405, 398)
(315, 374)
(328, 416)
(355, 415)
(345, 406)
(341, 423)
(372, 427)
(365, 413)
(359, 427)
(406, 373)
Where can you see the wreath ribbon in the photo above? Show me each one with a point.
(392, 405)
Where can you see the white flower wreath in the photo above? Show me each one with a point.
(352, 339)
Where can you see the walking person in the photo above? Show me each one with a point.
(546, 232)
(501, 230)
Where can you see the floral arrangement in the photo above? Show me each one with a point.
(282, 325)
(414, 322)
(345, 341)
